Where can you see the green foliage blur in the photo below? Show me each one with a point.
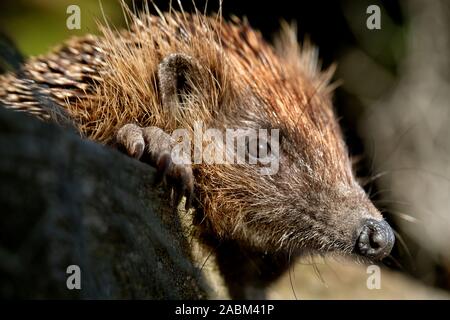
(38, 25)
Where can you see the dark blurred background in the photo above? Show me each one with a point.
(393, 101)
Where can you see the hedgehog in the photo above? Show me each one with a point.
(131, 89)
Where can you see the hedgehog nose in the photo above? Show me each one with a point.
(375, 240)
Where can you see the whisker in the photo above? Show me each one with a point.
(378, 192)
(395, 261)
(389, 201)
(318, 274)
(419, 170)
(403, 243)
(336, 274)
(374, 177)
(382, 202)
(209, 255)
(290, 274)
(404, 216)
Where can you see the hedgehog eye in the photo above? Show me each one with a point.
(258, 148)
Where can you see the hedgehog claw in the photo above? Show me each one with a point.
(130, 137)
(178, 177)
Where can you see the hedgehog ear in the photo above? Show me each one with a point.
(179, 77)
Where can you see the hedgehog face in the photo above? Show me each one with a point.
(311, 201)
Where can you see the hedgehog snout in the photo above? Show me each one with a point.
(375, 240)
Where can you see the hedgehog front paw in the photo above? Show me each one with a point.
(152, 145)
